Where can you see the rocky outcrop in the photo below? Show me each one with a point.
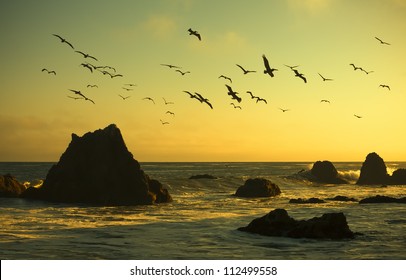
(306, 201)
(342, 198)
(278, 223)
(398, 177)
(97, 168)
(258, 187)
(202, 176)
(10, 187)
(321, 172)
(382, 199)
(373, 171)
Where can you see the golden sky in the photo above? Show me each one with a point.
(136, 37)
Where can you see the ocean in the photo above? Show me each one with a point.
(202, 220)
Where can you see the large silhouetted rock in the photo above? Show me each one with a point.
(97, 168)
(373, 171)
(398, 177)
(258, 187)
(382, 199)
(326, 172)
(10, 187)
(278, 223)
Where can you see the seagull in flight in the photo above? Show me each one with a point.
(63, 40)
(325, 100)
(300, 75)
(225, 77)
(48, 71)
(85, 55)
(92, 86)
(202, 99)
(80, 94)
(124, 97)
(127, 89)
(245, 71)
(163, 123)
(357, 116)
(268, 69)
(385, 86)
(236, 106)
(195, 33)
(324, 79)
(166, 102)
(169, 112)
(88, 66)
(355, 67)
(171, 66)
(149, 98)
(233, 94)
(283, 110)
(382, 42)
(192, 95)
(183, 73)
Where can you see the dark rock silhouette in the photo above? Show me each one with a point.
(306, 201)
(342, 198)
(203, 176)
(10, 187)
(382, 199)
(373, 171)
(398, 177)
(258, 187)
(321, 172)
(97, 168)
(278, 223)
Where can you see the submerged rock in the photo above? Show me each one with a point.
(10, 187)
(97, 168)
(258, 187)
(382, 199)
(202, 176)
(306, 201)
(278, 223)
(373, 171)
(342, 198)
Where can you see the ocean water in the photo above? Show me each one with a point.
(202, 221)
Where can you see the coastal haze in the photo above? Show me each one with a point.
(322, 37)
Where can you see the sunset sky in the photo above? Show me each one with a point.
(136, 37)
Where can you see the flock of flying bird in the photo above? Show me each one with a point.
(112, 73)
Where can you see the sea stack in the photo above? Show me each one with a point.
(258, 187)
(97, 168)
(10, 187)
(373, 171)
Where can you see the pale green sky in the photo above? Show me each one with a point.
(322, 36)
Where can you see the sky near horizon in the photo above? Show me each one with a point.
(136, 37)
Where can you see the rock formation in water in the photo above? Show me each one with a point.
(342, 198)
(97, 168)
(203, 176)
(278, 223)
(321, 172)
(398, 177)
(382, 199)
(258, 187)
(313, 200)
(373, 171)
(10, 187)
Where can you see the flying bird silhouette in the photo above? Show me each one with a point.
(382, 42)
(236, 106)
(195, 33)
(324, 79)
(245, 71)
(366, 72)
(183, 73)
(115, 75)
(163, 123)
(169, 112)
(268, 69)
(63, 40)
(48, 71)
(88, 66)
(355, 67)
(261, 99)
(149, 98)
(191, 95)
(202, 99)
(127, 89)
(171, 66)
(81, 94)
(325, 100)
(85, 55)
(291, 67)
(130, 85)
(233, 94)
(300, 75)
(92, 86)
(358, 116)
(385, 86)
(283, 110)
(124, 97)
(166, 102)
(252, 96)
(225, 77)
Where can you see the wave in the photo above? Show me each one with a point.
(34, 183)
(349, 175)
